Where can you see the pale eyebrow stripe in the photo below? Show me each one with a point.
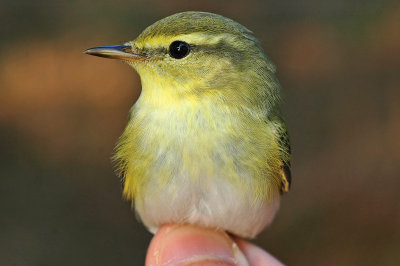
(196, 38)
(200, 38)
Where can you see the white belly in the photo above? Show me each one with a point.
(218, 206)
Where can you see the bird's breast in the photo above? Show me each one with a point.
(196, 160)
(198, 144)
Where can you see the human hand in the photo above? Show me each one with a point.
(195, 246)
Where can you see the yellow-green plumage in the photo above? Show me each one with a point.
(205, 142)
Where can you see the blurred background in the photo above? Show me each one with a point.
(61, 113)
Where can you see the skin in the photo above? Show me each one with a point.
(189, 245)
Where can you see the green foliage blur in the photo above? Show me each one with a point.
(61, 113)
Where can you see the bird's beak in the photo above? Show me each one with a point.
(122, 52)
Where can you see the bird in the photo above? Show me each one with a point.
(206, 142)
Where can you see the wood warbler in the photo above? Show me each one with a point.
(205, 143)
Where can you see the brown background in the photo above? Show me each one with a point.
(61, 113)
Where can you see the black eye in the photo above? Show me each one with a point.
(179, 49)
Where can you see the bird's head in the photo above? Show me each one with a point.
(194, 53)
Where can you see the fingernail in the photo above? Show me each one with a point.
(187, 245)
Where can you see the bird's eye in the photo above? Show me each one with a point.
(179, 49)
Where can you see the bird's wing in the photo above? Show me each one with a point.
(284, 144)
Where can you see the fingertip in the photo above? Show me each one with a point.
(190, 245)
